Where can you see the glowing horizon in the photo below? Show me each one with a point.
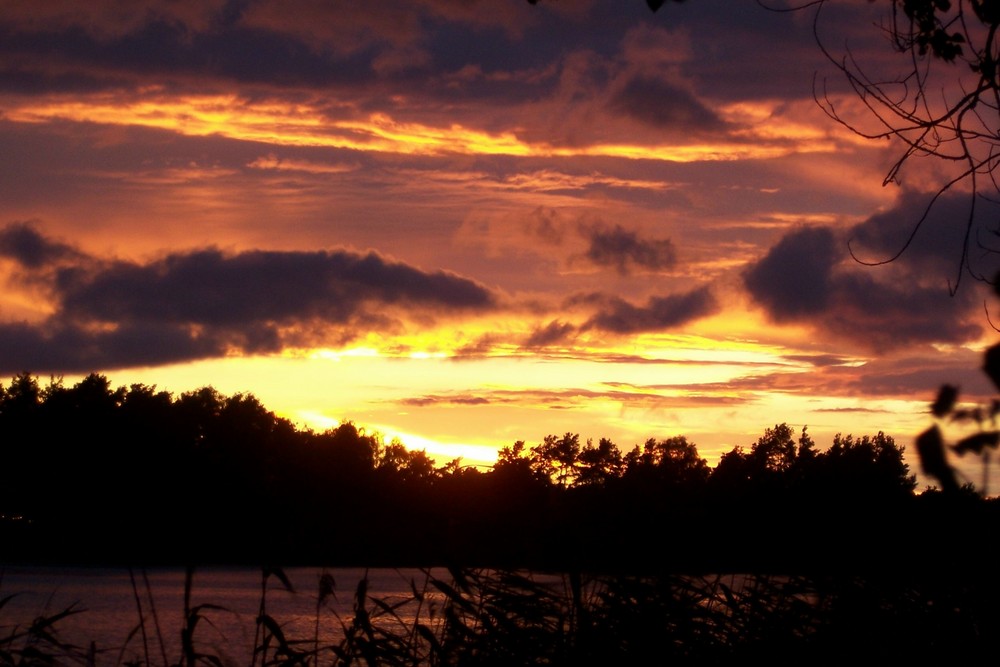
(463, 234)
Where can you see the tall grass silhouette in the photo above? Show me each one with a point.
(37, 642)
(478, 616)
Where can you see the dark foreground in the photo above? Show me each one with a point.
(836, 557)
(463, 616)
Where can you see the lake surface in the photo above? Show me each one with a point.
(114, 612)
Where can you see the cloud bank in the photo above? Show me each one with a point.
(809, 276)
(203, 303)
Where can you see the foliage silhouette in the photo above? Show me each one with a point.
(981, 419)
(477, 616)
(831, 536)
(136, 475)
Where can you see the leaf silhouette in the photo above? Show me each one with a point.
(327, 587)
(975, 443)
(945, 401)
(280, 575)
(930, 447)
(991, 364)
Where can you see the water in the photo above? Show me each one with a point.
(109, 618)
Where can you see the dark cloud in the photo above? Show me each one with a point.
(660, 313)
(22, 242)
(665, 106)
(312, 43)
(623, 249)
(932, 233)
(105, 47)
(206, 303)
(552, 333)
(809, 278)
(73, 59)
(819, 360)
(209, 287)
(794, 279)
(925, 376)
(65, 347)
(730, 31)
(546, 224)
(478, 348)
(514, 48)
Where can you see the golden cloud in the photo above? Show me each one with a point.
(288, 124)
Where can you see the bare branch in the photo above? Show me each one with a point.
(944, 104)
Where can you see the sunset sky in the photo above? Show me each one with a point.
(467, 223)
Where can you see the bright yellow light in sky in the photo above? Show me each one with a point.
(301, 125)
(441, 452)
(337, 355)
(718, 152)
(473, 407)
(615, 179)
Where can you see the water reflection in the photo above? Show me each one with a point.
(126, 614)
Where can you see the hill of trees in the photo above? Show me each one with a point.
(93, 473)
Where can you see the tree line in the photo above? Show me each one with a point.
(95, 473)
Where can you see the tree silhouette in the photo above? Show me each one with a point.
(672, 461)
(408, 465)
(558, 458)
(773, 463)
(599, 464)
(874, 464)
(128, 474)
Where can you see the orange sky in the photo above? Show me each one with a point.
(465, 226)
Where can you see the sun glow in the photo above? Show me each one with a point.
(442, 452)
(337, 355)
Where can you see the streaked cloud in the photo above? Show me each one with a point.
(273, 162)
(553, 333)
(619, 316)
(281, 124)
(575, 398)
